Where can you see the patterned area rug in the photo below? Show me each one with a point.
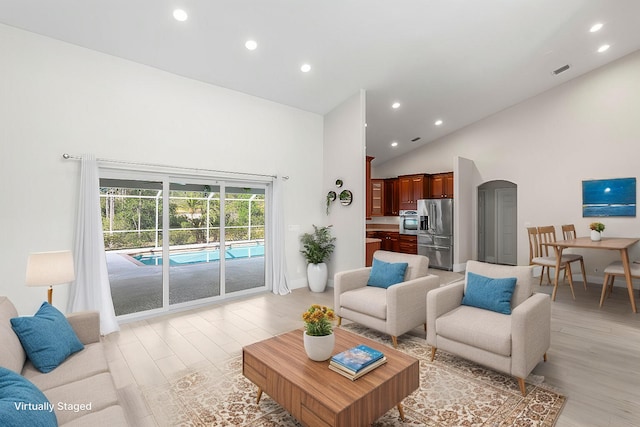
(453, 392)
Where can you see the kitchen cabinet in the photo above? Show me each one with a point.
(371, 245)
(408, 244)
(389, 240)
(441, 186)
(367, 181)
(377, 197)
(391, 197)
(412, 188)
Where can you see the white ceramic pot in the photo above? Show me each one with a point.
(595, 235)
(319, 348)
(317, 277)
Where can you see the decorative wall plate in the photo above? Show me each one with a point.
(346, 197)
(331, 196)
(338, 183)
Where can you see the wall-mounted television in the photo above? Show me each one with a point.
(609, 197)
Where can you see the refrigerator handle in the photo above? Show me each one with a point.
(432, 213)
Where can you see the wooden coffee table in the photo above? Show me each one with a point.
(317, 396)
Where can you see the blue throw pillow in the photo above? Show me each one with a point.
(47, 337)
(384, 274)
(490, 294)
(22, 403)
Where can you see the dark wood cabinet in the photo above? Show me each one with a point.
(391, 197)
(367, 169)
(441, 185)
(377, 197)
(411, 189)
(408, 244)
(389, 240)
(371, 247)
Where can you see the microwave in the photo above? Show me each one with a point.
(409, 222)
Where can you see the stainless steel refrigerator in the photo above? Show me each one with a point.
(435, 232)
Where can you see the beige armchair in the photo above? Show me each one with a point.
(513, 344)
(395, 310)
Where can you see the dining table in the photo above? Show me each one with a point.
(621, 244)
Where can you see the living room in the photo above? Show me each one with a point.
(60, 98)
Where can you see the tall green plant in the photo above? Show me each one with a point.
(318, 246)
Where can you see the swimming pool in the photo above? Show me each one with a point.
(195, 257)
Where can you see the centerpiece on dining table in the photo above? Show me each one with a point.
(319, 339)
(596, 231)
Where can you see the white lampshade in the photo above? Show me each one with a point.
(50, 268)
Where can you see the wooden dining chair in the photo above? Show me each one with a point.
(569, 233)
(539, 254)
(616, 269)
(534, 252)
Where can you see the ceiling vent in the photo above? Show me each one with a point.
(561, 69)
(415, 139)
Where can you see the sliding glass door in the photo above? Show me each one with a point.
(214, 246)
(131, 214)
(194, 242)
(244, 238)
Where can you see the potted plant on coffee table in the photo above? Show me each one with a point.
(318, 332)
(318, 246)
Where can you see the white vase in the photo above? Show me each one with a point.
(317, 277)
(595, 235)
(319, 348)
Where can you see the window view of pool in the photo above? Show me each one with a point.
(194, 257)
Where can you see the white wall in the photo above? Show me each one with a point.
(464, 213)
(59, 98)
(588, 128)
(344, 158)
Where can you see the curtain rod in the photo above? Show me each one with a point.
(122, 162)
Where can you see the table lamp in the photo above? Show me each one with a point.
(50, 268)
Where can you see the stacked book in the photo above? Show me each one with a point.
(357, 361)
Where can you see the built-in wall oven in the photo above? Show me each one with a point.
(409, 222)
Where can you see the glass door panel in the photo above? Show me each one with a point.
(194, 242)
(131, 223)
(244, 225)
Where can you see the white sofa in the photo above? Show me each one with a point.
(82, 378)
(395, 310)
(513, 344)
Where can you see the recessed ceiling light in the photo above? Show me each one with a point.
(438, 122)
(305, 68)
(180, 15)
(596, 27)
(251, 44)
(394, 144)
(395, 105)
(603, 48)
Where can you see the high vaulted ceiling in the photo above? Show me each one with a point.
(458, 61)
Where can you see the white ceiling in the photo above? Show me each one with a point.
(455, 60)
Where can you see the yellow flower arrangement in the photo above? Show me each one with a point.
(597, 226)
(318, 319)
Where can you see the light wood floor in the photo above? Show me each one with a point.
(594, 357)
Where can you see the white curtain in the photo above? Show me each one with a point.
(278, 265)
(91, 290)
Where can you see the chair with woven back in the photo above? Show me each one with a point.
(539, 254)
(569, 233)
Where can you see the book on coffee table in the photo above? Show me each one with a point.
(356, 358)
(342, 371)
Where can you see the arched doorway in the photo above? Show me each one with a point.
(498, 222)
